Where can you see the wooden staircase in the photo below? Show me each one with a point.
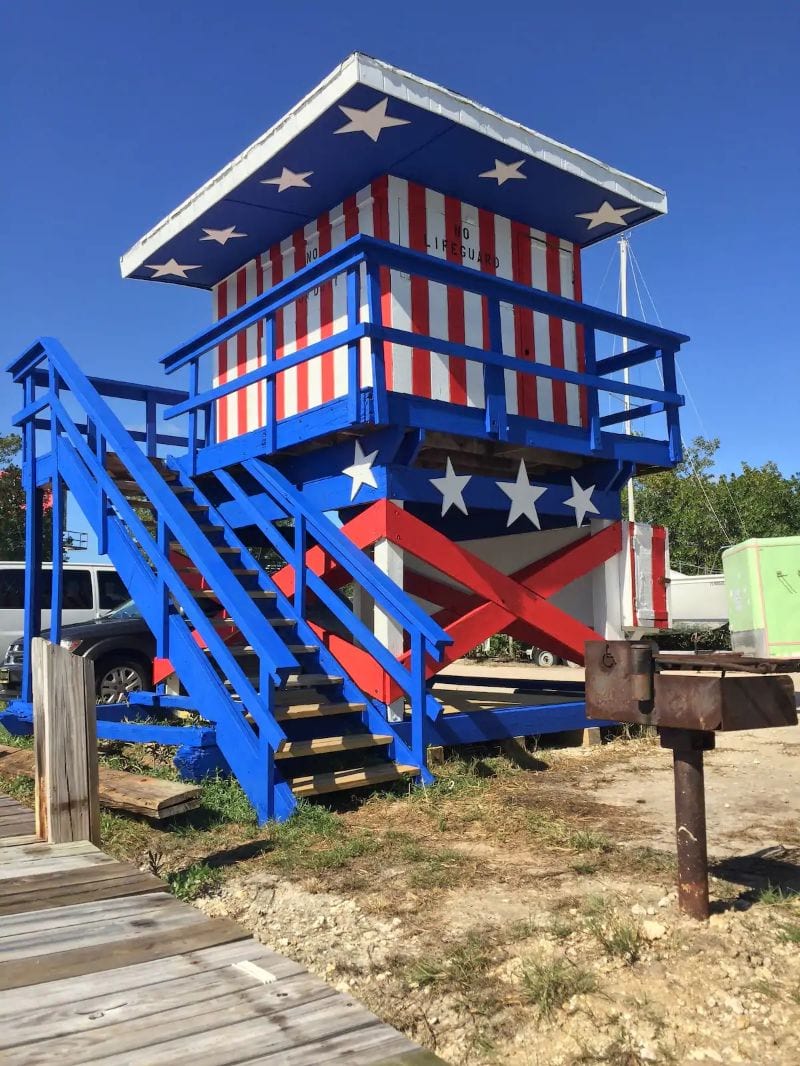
(328, 747)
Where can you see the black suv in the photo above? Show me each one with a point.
(120, 644)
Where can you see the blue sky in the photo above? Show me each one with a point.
(113, 113)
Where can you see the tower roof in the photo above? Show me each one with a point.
(365, 119)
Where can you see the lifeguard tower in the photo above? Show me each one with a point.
(392, 444)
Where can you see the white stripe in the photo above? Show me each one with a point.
(541, 328)
(289, 333)
(365, 207)
(232, 407)
(569, 333)
(437, 294)
(313, 311)
(504, 251)
(401, 286)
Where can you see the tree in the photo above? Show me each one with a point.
(12, 505)
(706, 513)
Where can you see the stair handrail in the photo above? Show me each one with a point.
(357, 564)
(280, 662)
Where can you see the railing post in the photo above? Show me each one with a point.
(194, 378)
(65, 738)
(377, 343)
(57, 519)
(419, 717)
(593, 398)
(353, 350)
(673, 421)
(32, 602)
(494, 382)
(102, 532)
(300, 564)
(271, 435)
(151, 434)
(162, 637)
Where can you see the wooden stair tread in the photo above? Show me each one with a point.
(310, 680)
(316, 710)
(294, 749)
(360, 777)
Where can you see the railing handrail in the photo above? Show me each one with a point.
(361, 248)
(355, 562)
(249, 618)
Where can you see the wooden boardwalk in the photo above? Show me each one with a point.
(100, 964)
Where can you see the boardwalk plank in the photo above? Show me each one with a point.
(16, 841)
(68, 887)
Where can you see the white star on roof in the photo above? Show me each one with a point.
(289, 180)
(372, 121)
(504, 172)
(523, 496)
(221, 236)
(361, 470)
(170, 269)
(452, 487)
(581, 501)
(606, 215)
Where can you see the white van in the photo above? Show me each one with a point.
(89, 591)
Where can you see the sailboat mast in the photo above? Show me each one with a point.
(626, 374)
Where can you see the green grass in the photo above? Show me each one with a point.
(315, 839)
(10, 741)
(461, 968)
(195, 880)
(430, 867)
(547, 984)
(619, 939)
(775, 896)
(548, 828)
(790, 933)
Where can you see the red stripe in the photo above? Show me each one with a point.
(420, 308)
(241, 352)
(326, 310)
(222, 364)
(455, 300)
(580, 343)
(556, 334)
(260, 344)
(380, 228)
(524, 348)
(659, 569)
(632, 554)
(276, 259)
(487, 244)
(301, 322)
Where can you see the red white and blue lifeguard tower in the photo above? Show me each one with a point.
(400, 400)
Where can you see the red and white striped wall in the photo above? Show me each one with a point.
(419, 218)
(646, 588)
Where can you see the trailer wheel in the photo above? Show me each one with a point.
(545, 658)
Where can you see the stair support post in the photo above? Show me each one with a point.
(163, 536)
(34, 500)
(419, 715)
(57, 489)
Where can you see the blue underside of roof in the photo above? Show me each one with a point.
(431, 150)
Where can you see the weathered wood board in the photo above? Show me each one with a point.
(101, 965)
(149, 796)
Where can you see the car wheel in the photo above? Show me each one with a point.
(545, 658)
(115, 679)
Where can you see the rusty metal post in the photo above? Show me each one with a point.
(687, 747)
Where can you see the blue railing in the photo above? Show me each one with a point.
(360, 260)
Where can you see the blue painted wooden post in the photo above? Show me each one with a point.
(162, 637)
(593, 394)
(194, 378)
(300, 564)
(673, 421)
(494, 383)
(102, 532)
(377, 344)
(419, 717)
(271, 434)
(353, 354)
(57, 515)
(150, 426)
(32, 603)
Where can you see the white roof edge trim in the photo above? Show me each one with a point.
(421, 93)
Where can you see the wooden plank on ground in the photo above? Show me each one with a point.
(152, 797)
(67, 887)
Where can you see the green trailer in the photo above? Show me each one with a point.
(762, 578)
